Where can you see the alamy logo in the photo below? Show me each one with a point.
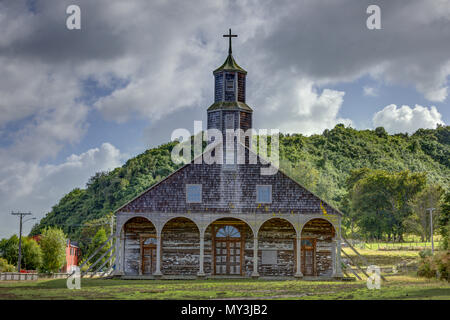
(374, 279)
(234, 148)
(74, 280)
(73, 21)
(374, 20)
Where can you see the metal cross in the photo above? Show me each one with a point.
(229, 36)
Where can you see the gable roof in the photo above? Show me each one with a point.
(219, 189)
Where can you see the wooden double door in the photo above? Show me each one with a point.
(228, 257)
(228, 253)
(148, 254)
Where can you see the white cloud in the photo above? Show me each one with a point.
(407, 119)
(31, 187)
(370, 91)
(300, 107)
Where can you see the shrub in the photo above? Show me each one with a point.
(443, 265)
(5, 266)
(437, 266)
(85, 267)
(445, 242)
(426, 268)
(425, 253)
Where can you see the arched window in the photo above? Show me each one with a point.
(149, 240)
(228, 231)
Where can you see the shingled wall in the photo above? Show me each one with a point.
(227, 192)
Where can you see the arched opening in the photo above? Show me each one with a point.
(317, 248)
(226, 241)
(277, 247)
(180, 247)
(139, 247)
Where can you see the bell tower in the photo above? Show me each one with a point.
(229, 110)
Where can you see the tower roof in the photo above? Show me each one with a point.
(230, 65)
(230, 105)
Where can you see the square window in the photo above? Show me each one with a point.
(264, 194)
(193, 193)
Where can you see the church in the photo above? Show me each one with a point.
(227, 221)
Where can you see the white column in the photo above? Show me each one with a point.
(299, 273)
(158, 254)
(118, 267)
(333, 256)
(201, 272)
(338, 258)
(122, 253)
(255, 273)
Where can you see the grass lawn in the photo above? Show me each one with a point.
(397, 287)
(385, 258)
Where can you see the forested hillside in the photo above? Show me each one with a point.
(321, 163)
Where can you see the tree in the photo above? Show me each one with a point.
(31, 254)
(53, 246)
(9, 249)
(406, 186)
(444, 221)
(99, 238)
(419, 222)
(5, 266)
(381, 132)
(381, 201)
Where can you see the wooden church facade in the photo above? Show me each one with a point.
(227, 221)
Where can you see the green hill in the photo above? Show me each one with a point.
(321, 163)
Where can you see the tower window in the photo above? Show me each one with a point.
(264, 194)
(229, 82)
(230, 85)
(193, 193)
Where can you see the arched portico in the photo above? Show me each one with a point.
(180, 247)
(318, 248)
(186, 244)
(277, 248)
(138, 237)
(229, 243)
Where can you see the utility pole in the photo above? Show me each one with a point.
(431, 227)
(20, 214)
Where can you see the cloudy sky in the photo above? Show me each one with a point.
(73, 102)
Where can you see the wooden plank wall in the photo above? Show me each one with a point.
(132, 229)
(279, 235)
(323, 232)
(180, 247)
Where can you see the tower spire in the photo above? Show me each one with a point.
(229, 36)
